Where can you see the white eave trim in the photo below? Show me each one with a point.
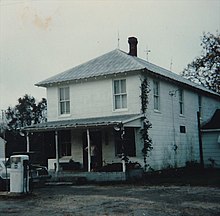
(210, 130)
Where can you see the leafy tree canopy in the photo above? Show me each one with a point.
(26, 112)
(205, 69)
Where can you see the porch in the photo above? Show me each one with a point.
(114, 136)
(95, 177)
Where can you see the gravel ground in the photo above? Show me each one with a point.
(68, 200)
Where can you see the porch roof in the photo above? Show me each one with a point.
(83, 123)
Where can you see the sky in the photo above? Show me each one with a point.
(41, 38)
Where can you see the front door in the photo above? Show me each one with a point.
(95, 140)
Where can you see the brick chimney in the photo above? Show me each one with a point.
(132, 46)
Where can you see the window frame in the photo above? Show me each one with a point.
(182, 129)
(181, 102)
(121, 94)
(65, 101)
(156, 95)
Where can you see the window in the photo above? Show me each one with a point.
(181, 102)
(64, 98)
(182, 129)
(156, 95)
(127, 145)
(119, 93)
(65, 142)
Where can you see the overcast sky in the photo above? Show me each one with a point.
(40, 38)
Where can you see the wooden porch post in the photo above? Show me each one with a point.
(57, 152)
(89, 152)
(28, 142)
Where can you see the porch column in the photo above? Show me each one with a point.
(89, 151)
(57, 152)
(28, 142)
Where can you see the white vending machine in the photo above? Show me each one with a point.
(19, 174)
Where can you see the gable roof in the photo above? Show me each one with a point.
(214, 122)
(116, 62)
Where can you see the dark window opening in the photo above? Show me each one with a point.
(65, 142)
(182, 129)
(127, 144)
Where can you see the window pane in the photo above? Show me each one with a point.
(116, 87)
(156, 103)
(117, 102)
(155, 88)
(62, 107)
(67, 107)
(67, 94)
(181, 108)
(124, 101)
(123, 86)
(61, 94)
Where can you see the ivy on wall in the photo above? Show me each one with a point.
(147, 141)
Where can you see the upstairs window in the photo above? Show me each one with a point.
(64, 97)
(156, 95)
(119, 94)
(181, 102)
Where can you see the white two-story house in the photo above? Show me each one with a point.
(98, 103)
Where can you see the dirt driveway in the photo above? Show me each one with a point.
(68, 200)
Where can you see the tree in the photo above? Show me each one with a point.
(205, 69)
(26, 112)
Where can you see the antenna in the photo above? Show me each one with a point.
(147, 51)
(118, 40)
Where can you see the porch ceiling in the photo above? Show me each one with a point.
(83, 123)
